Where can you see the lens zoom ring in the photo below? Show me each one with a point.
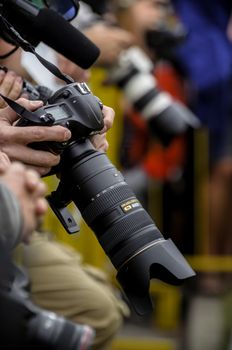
(107, 200)
(125, 228)
(120, 254)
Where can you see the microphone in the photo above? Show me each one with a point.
(51, 28)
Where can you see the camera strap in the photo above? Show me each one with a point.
(3, 57)
(26, 46)
(20, 110)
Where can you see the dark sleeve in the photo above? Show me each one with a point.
(11, 222)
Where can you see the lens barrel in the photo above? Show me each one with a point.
(48, 331)
(124, 229)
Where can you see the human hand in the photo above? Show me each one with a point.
(99, 140)
(29, 190)
(10, 85)
(15, 141)
(111, 41)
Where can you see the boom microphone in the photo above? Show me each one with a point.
(51, 28)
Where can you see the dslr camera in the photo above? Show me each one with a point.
(124, 229)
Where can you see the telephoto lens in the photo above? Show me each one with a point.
(166, 118)
(28, 327)
(124, 229)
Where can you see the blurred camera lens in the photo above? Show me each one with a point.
(26, 326)
(49, 331)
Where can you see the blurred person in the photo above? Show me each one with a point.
(209, 31)
(209, 41)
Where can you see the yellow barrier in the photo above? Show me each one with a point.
(211, 263)
(167, 305)
(134, 343)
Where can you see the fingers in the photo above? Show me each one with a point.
(14, 141)
(2, 75)
(42, 171)
(28, 188)
(8, 82)
(10, 85)
(31, 157)
(100, 142)
(41, 207)
(31, 134)
(35, 186)
(33, 182)
(9, 116)
(109, 115)
(16, 88)
(4, 162)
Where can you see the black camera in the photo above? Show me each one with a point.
(124, 229)
(72, 106)
(35, 92)
(26, 326)
(32, 92)
(164, 40)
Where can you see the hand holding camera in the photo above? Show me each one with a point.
(124, 229)
(14, 141)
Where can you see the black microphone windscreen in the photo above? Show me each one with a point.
(52, 29)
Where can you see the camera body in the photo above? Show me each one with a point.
(74, 107)
(33, 92)
(164, 40)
